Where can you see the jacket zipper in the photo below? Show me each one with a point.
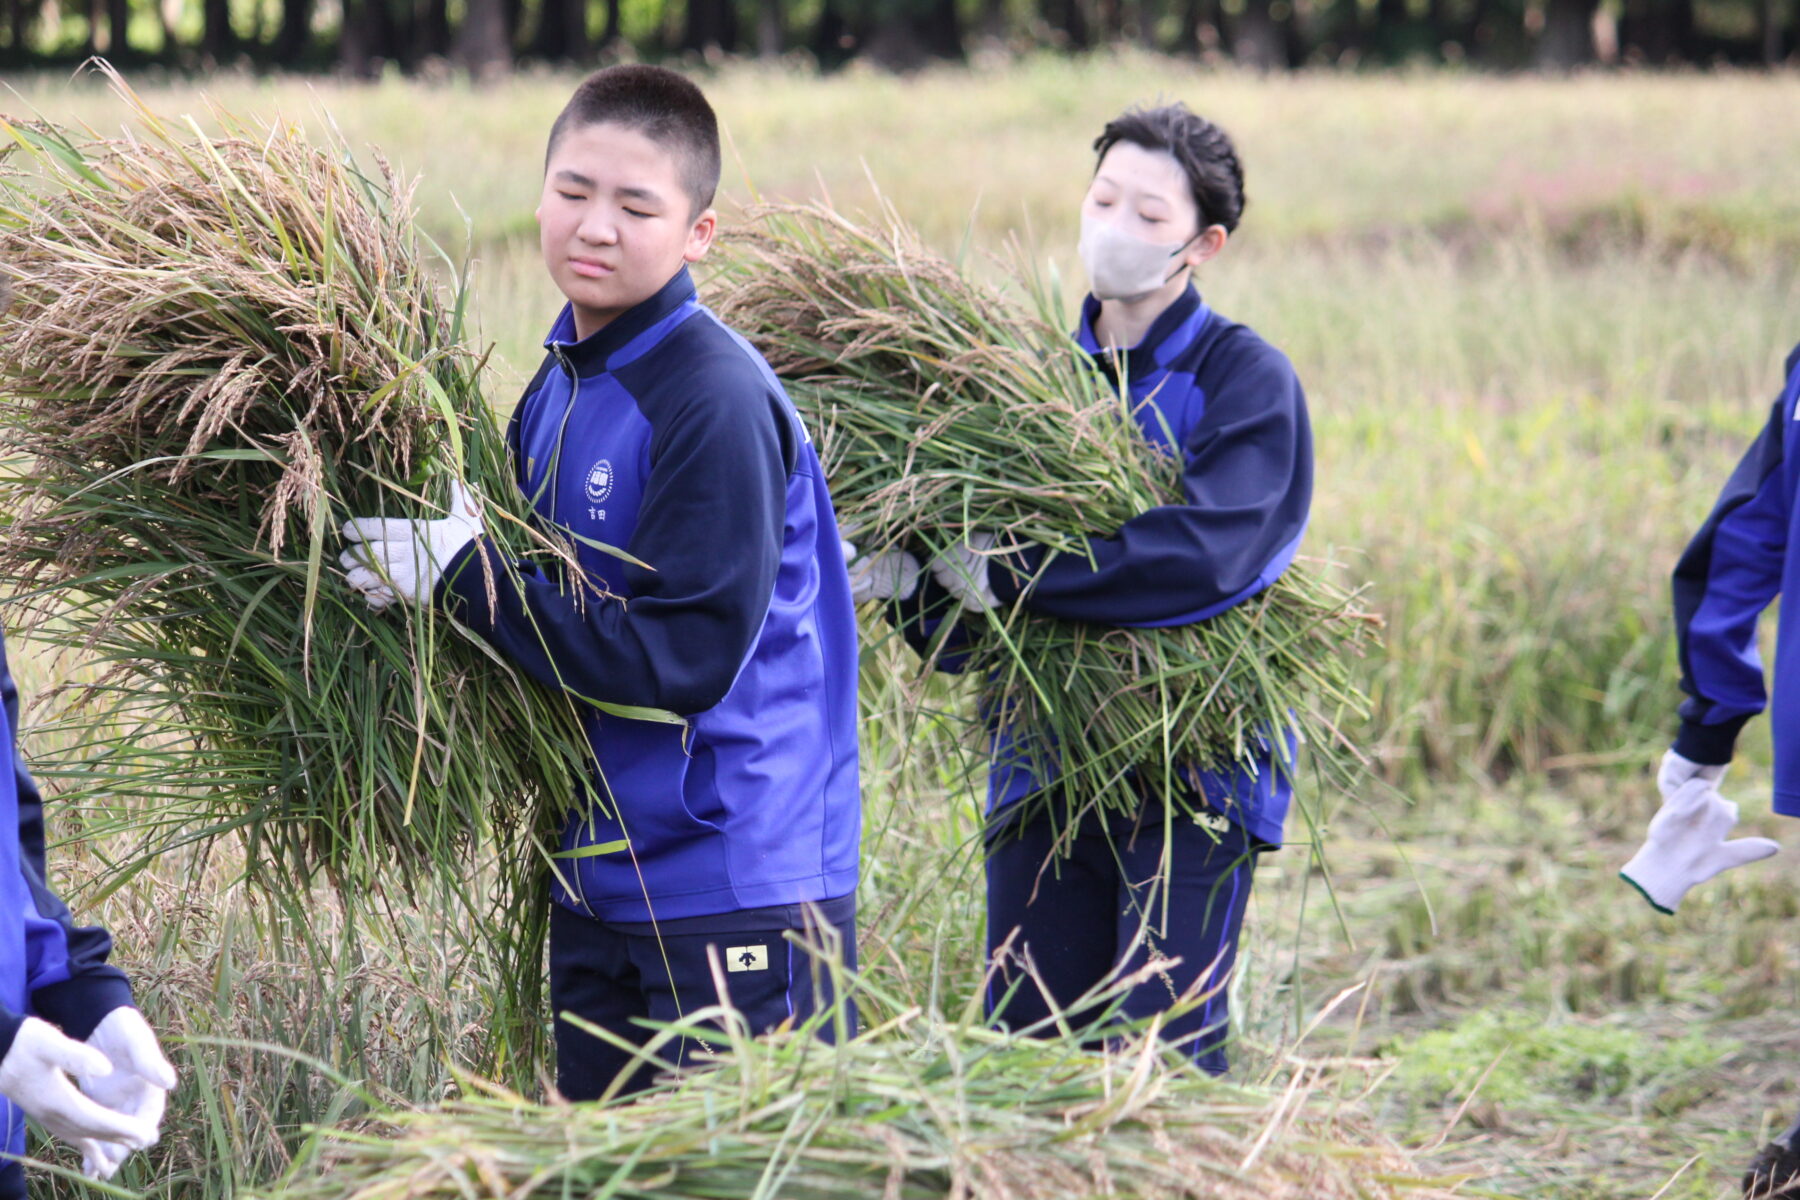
(552, 474)
(552, 480)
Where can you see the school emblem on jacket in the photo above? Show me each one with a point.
(599, 481)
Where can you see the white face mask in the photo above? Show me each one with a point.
(1123, 267)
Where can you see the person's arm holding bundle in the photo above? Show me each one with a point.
(1247, 487)
(709, 531)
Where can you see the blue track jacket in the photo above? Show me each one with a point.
(1231, 406)
(1736, 565)
(49, 966)
(666, 434)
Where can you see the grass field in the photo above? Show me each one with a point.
(1538, 321)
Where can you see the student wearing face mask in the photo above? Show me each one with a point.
(1165, 197)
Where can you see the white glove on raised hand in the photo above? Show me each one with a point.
(35, 1075)
(1686, 845)
(1675, 770)
(395, 558)
(884, 576)
(138, 1085)
(963, 572)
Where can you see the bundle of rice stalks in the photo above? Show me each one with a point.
(944, 408)
(220, 347)
(923, 1107)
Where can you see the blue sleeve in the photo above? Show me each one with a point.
(70, 980)
(1247, 483)
(710, 529)
(1729, 573)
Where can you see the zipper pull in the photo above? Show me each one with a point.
(562, 360)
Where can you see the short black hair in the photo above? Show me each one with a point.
(1205, 153)
(660, 104)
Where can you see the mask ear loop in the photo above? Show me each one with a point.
(1180, 267)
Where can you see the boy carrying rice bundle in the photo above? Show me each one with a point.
(271, 359)
(1165, 197)
(1116, 578)
(652, 426)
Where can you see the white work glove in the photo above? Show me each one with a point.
(138, 1085)
(1676, 770)
(35, 1075)
(1686, 845)
(884, 576)
(963, 572)
(394, 558)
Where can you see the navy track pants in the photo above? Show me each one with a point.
(614, 975)
(1077, 920)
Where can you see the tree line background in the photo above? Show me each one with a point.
(363, 38)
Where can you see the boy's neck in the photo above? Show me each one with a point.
(1122, 324)
(587, 326)
(589, 321)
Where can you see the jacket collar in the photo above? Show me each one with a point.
(627, 335)
(1173, 331)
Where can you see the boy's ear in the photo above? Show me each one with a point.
(1212, 239)
(700, 237)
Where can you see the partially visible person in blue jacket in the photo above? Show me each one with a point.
(1166, 194)
(76, 1056)
(653, 427)
(1738, 562)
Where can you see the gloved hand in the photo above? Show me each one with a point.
(1686, 845)
(884, 576)
(137, 1087)
(394, 558)
(962, 570)
(1676, 770)
(35, 1076)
